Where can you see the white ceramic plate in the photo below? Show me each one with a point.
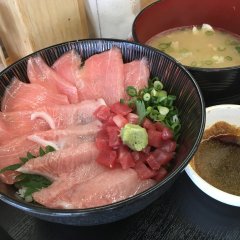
(231, 114)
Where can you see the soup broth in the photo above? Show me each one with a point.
(199, 46)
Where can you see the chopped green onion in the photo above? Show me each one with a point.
(149, 109)
(172, 97)
(158, 85)
(221, 48)
(163, 110)
(208, 62)
(162, 93)
(146, 97)
(209, 33)
(228, 58)
(122, 101)
(231, 42)
(238, 48)
(131, 91)
(183, 50)
(153, 114)
(164, 46)
(154, 92)
(193, 64)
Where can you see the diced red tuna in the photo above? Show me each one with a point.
(168, 145)
(125, 158)
(161, 174)
(148, 124)
(102, 113)
(152, 162)
(120, 108)
(107, 158)
(113, 136)
(132, 118)
(154, 138)
(143, 171)
(120, 121)
(167, 133)
(163, 157)
(68, 66)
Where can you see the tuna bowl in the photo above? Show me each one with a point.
(218, 85)
(177, 81)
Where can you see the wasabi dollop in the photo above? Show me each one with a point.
(134, 136)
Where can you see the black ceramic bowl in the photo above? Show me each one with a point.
(218, 85)
(192, 112)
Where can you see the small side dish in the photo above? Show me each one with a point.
(215, 168)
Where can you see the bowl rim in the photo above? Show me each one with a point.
(200, 69)
(44, 211)
(203, 185)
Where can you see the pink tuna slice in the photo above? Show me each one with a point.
(14, 124)
(102, 76)
(59, 139)
(39, 72)
(85, 172)
(106, 188)
(19, 123)
(136, 73)
(54, 164)
(23, 96)
(14, 149)
(68, 66)
(74, 114)
(68, 137)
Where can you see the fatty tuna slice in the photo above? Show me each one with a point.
(14, 124)
(11, 152)
(136, 74)
(102, 76)
(68, 66)
(21, 96)
(72, 136)
(39, 72)
(54, 164)
(85, 172)
(73, 114)
(106, 188)
(14, 149)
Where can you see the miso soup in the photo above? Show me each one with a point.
(199, 46)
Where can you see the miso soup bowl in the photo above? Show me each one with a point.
(191, 109)
(218, 85)
(229, 113)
